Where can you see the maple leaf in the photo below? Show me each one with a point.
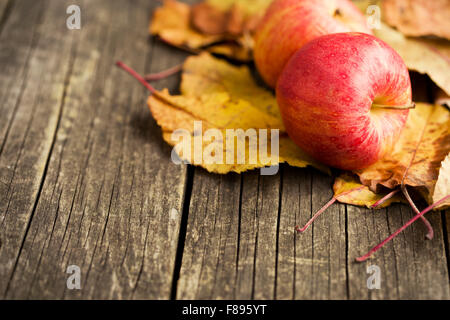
(223, 97)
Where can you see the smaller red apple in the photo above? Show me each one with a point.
(344, 99)
(290, 24)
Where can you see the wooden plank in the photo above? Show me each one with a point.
(225, 258)
(107, 199)
(258, 242)
(5, 10)
(208, 269)
(411, 267)
(311, 265)
(230, 251)
(31, 93)
(446, 223)
(18, 42)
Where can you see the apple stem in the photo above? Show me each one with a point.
(321, 210)
(386, 197)
(163, 74)
(392, 236)
(136, 75)
(411, 105)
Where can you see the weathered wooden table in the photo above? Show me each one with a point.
(86, 180)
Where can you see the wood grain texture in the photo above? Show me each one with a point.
(258, 236)
(208, 268)
(411, 267)
(230, 250)
(311, 265)
(107, 199)
(446, 223)
(31, 94)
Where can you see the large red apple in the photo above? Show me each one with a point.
(289, 24)
(344, 99)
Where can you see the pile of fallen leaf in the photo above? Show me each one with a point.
(226, 96)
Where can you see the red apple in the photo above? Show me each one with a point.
(344, 99)
(290, 24)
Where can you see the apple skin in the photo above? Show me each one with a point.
(290, 24)
(325, 94)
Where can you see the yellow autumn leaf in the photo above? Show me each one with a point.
(216, 99)
(363, 197)
(248, 7)
(209, 76)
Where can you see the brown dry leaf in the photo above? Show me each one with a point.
(363, 197)
(221, 27)
(171, 23)
(209, 20)
(440, 97)
(427, 56)
(422, 146)
(423, 55)
(418, 17)
(223, 96)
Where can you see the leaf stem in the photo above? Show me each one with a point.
(386, 197)
(392, 236)
(163, 74)
(430, 233)
(136, 75)
(321, 210)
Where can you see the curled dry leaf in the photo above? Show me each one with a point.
(421, 148)
(221, 27)
(441, 97)
(223, 97)
(427, 56)
(363, 197)
(172, 24)
(418, 17)
(209, 20)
